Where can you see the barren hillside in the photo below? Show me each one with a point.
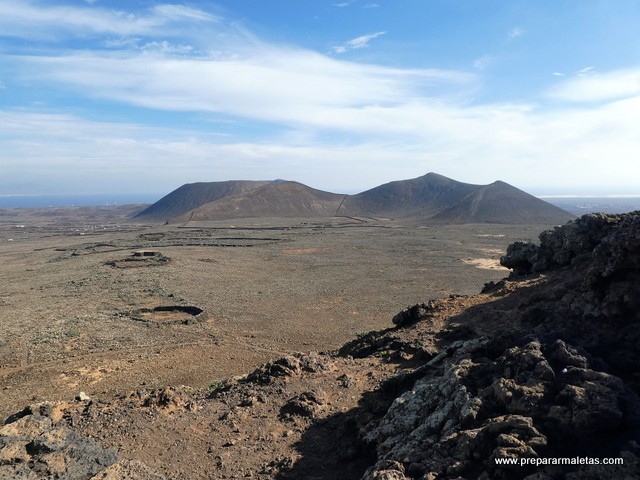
(500, 202)
(194, 195)
(422, 197)
(281, 199)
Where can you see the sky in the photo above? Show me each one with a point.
(142, 96)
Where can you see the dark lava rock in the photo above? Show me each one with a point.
(558, 379)
(31, 447)
(460, 417)
(572, 243)
(413, 314)
(34, 445)
(291, 366)
(307, 404)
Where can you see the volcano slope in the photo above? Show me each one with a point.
(438, 200)
(281, 199)
(193, 195)
(539, 367)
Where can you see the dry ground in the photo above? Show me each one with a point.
(76, 309)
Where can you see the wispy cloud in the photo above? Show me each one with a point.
(279, 85)
(516, 32)
(580, 73)
(167, 48)
(585, 71)
(358, 42)
(483, 62)
(598, 87)
(31, 19)
(230, 72)
(348, 4)
(470, 143)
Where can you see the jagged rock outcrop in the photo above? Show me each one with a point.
(291, 366)
(613, 241)
(31, 447)
(594, 264)
(413, 314)
(542, 397)
(37, 443)
(468, 412)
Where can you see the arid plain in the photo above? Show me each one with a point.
(91, 301)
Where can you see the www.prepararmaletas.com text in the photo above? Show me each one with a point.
(538, 461)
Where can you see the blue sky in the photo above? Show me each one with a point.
(101, 96)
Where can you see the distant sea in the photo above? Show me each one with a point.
(40, 201)
(579, 205)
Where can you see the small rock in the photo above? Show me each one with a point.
(83, 397)
(345, 381)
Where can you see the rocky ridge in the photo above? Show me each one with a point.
(541, 365)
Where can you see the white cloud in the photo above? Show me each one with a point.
(483, 62)
(516, 32)
(34, 19)
(584, 71)
(175, 12)
(520, 144)
(348, 4)
(598, 87)
(167, 48)
(276, 85)
(77, 155)
(122, 42)
(359, 42)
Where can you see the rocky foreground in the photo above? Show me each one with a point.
(543, 365)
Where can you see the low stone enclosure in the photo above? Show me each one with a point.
(140, 258)
(169, 315)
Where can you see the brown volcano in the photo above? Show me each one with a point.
(501, 203)
(421, 197)
(279, 199)
(192, 195)
(430, 199)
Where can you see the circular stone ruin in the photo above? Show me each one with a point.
(170, 314)
(141, 258)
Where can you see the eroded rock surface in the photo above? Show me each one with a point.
(534, 400)
(34, 446)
